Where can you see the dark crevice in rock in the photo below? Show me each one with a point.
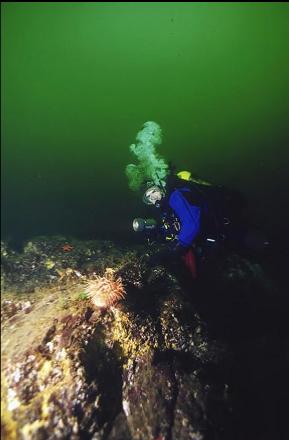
(165, 358)
(102, 367)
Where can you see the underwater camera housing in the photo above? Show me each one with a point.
(144, 224)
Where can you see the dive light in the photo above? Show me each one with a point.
(144, 224)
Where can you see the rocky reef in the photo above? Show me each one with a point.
(170, 360)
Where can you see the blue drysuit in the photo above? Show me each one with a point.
(189, 216)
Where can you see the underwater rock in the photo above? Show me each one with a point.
(50, 389)
(47, 260)
(155, 374)
(149, 399)
(156, 365)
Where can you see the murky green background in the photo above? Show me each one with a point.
(80, 79)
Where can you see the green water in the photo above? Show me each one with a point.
(80, 79)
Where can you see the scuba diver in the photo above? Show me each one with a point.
(195, 220)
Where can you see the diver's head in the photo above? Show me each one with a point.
(153, 195)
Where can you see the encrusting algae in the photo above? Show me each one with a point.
(135, 339)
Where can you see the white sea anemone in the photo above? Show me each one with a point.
(105, 291)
